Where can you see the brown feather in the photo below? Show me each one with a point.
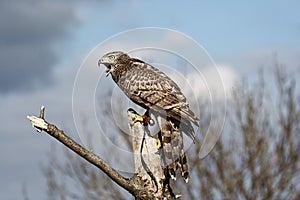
(150, 88)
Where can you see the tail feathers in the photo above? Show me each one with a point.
(174, 155)
(189, 131)
(183, 118)
(180, 159)
(184, 167)
(186, 114)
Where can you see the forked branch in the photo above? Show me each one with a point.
(41, 125)
(141, 185)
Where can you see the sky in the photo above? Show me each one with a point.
(43, 44)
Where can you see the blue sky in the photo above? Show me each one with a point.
(43, 44)
(228, 27)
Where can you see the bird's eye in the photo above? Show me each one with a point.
(112, 57)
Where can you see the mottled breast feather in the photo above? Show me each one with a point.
(148, 87)
(153, 90)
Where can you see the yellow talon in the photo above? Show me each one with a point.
(158, 143)
(137, 119)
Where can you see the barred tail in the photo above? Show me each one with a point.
(172, 144)
(184, 167)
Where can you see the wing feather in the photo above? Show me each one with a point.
(151, 88)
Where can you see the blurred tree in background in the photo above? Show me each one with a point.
(257, 156)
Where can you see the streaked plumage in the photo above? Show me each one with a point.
(150, 88)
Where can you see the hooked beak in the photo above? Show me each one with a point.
(109, 69)
(99, 62)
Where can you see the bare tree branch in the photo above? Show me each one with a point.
(149, 181)
(257, 157)
(41, 125)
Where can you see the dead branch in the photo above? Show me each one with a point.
(142, 185)
(41, 125)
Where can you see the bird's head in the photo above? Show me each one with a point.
(110, 60)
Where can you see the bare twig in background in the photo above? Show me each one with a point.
(257, 158)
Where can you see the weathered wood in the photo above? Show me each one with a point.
(41, 125)
(147, 160)
(149, 181)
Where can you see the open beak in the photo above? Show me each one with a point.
(99, 63)
(108, 71)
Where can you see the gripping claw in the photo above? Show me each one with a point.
(137, 118)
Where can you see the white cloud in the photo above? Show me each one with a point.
(248, 63)
(224, 81)
(58, 99)
(209, 82)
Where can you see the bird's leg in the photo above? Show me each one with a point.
(144, 119)
(148, 121)
(147, 118)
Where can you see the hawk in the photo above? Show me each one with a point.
(150, 88)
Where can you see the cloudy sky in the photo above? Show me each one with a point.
(43, 43)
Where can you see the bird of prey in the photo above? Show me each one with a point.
(151, 89)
